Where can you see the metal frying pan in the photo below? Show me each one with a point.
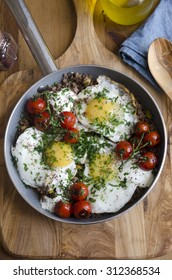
(51, 75)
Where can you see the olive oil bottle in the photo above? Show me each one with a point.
(127, 12)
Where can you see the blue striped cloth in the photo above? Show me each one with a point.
(134, 50)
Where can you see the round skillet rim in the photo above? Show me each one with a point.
(44, 81)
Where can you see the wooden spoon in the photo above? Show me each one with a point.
(160, 63)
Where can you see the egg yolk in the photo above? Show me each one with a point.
(103, 111)
(99, 109)
(59, 154)
(103, 166)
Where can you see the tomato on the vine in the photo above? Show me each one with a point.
(62, 209)
(68, 119)
(124, 149)
(72, 136)
(82, 209)
(141, 127)
(148, 161)
(36, 106)
(136, 141)
(79, 191)
(42, 121)
(152, 138)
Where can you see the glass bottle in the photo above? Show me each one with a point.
(127, 12)
(8, 51)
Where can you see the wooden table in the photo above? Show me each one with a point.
(144, 232)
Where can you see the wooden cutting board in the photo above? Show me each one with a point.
(143, 232)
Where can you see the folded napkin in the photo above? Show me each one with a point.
(134, 50)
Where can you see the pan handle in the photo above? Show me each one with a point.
(32, 36)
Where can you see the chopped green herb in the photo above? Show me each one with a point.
(25, 167)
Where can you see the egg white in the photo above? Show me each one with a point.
(116, 125)
(48, 203)
(62, 100)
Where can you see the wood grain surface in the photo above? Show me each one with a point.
(145, 231)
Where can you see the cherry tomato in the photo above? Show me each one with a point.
(42, 121)
(79, 191)
(72, 136)
(82, 209)
(148, 161)
(36, 106)
(68, 120)
(63, 210)
(141, 127)
(153, 138)
(124, 149)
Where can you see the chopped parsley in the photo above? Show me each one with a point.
(89, 143)
(25, 166)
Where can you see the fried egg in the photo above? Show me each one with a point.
(107, 108)
(112, 183)
(56, 173)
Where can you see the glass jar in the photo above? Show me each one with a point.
(127, 12)
(8, 51)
